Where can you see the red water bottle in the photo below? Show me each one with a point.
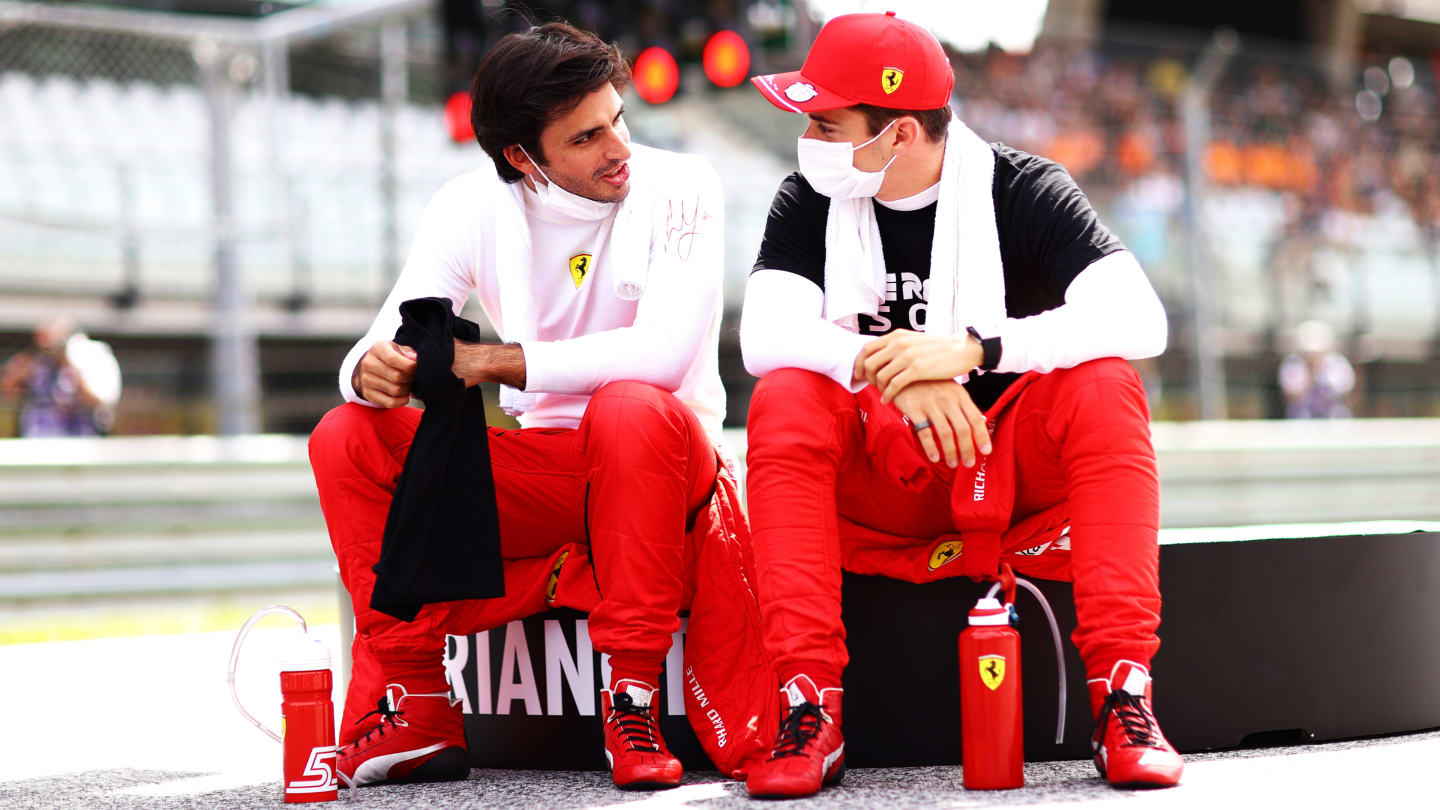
(993, 746)
(307, 722)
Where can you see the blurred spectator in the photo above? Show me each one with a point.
(67, 384)
(1317, 379)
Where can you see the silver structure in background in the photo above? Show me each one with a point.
(227, 56)
(1194, 113)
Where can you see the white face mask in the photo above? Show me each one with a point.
(830, 168)
(565, 203)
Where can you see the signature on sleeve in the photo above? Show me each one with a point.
(682, 228)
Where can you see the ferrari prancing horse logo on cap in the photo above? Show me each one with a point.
(890, 79)
(580, 267)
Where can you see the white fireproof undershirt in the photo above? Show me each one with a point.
(1110, 310)
(586, 336)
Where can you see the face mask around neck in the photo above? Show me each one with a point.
(564, 203)
(830, 168)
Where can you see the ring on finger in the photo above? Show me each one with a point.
(923, 424)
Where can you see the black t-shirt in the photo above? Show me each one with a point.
(1048, 234)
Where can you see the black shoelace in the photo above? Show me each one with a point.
(386, 716)
(797, 730)
(635, 722)
(1133, 714)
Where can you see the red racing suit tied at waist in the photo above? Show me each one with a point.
(982, 500)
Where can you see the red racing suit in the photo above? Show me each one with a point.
(630, 517)
(1070, 491)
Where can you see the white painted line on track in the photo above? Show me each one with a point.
(675, 797)
(196, 785)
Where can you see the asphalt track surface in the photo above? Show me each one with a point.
(146, 722)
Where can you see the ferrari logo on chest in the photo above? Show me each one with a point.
(580, 267)
(992, 670)
(890, 79)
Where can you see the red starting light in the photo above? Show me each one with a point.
(457, 118)
(656, 75)
(726, 59)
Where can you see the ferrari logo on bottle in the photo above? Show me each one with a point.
(580, 267)
(992, 670)
(890, 79)
(945, 552)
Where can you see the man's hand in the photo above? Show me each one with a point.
(903, 357)
(384, 374)
(955, 422)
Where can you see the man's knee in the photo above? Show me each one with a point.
(786, 392)
(1100, 404)
(628, 416)
(1109, 371)
(633, 426)
(637, 404)
(1108, 388)
(801, 416)
(336, 429)
(352, 436)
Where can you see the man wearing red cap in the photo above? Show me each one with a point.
(939, 325)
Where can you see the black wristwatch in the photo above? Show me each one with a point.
(989, 349)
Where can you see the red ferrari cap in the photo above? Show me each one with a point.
(876, 59)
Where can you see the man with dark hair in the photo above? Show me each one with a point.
(600, 263)
(923, 300)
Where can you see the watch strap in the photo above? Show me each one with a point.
(989, 349)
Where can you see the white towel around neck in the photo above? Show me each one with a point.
(628, 258)
(967, 282)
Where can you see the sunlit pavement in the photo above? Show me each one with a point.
(147, 721)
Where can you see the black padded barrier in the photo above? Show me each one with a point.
(535, 722)
(1316, 638)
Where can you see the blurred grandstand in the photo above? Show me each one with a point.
(224, 191)
(1313, 199)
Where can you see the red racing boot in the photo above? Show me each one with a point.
(1129, 749)
(809, 751)
(420, 738)
(638, 757)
